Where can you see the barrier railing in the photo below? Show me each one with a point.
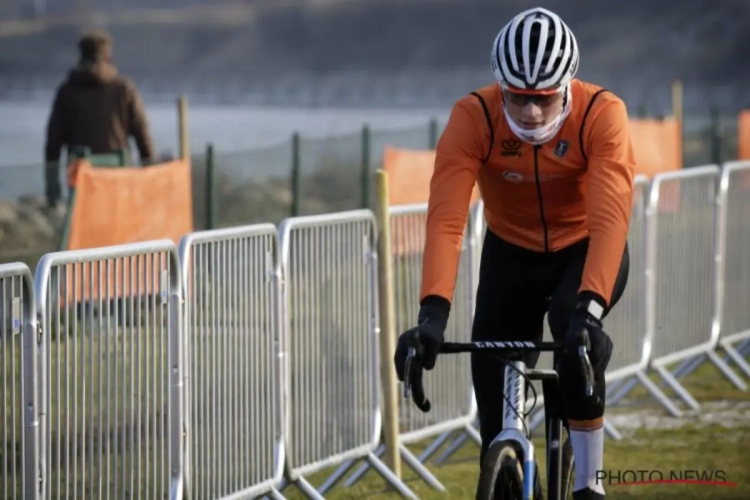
(329, 268)
(233, 333)
(19, 460)
(111, 371)
(454, 407)
(734, 313)
(252, 353)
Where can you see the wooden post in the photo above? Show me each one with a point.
(182, 127)
(677, 104)
(387, 326)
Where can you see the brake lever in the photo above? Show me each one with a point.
(411, 353)
(413, 378)
(587, 369)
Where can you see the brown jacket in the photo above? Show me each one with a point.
(98, 109)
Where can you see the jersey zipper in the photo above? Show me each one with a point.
(539, 197)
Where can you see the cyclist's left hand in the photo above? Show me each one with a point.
(432, 324)
(583, 324)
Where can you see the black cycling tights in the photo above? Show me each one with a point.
(516, 288)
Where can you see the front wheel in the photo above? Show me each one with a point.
(501, 477)
(568, 470)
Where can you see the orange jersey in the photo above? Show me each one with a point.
(542, 198)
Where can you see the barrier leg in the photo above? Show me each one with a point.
(276, 495)
(337, 475)
(726, 370)
(536, 420)
(470, 433)
(305, 488)
(435, 446)
(624, 389)
(678, 388)
(362, 470)
(734, 355)
(658, 394)
(452, 448)
(688, 366)
(613, 386)
(390, 477)
(743, 349)
(612, 431)
(417, 466)
(410, 459)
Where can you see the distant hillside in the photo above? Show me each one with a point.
(640, 43)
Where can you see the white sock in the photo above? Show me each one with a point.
(588, 450)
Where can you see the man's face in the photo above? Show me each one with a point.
(531, 111)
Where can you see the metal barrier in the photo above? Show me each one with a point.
(684, 259)
(477, 228)
(232, 341)
(734, 220)
(627, 323)
(281, 355)
(329, 265)
(19, 422)
(454, 407)
(111, 371)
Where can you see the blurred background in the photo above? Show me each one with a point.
(349, 77)
(285, 108)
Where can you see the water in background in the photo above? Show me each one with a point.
(237, 129)
(229, 128)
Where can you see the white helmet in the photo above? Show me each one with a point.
(535, 51)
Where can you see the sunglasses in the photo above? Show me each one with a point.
(541, 100)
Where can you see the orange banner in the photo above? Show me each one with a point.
(127, 205)
(114, 206)
(657, 145)
(409, 172)
(743, 135)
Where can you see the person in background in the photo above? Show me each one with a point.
(96, 108)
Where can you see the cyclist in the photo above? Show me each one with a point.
(554, 162)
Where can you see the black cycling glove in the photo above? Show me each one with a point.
(432, 322)
(586, 321)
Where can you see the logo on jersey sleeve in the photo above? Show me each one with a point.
(510, 147)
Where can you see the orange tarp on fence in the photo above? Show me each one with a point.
(657, 145)
(409, 173)
(743, 135)
(658, 148)
(113, 206)
(127, 205)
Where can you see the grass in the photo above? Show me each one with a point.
(690, 447)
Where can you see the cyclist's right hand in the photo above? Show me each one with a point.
(431, 327)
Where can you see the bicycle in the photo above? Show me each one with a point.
(509, 467)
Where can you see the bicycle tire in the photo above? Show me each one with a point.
(568, 470)
(501, 467)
